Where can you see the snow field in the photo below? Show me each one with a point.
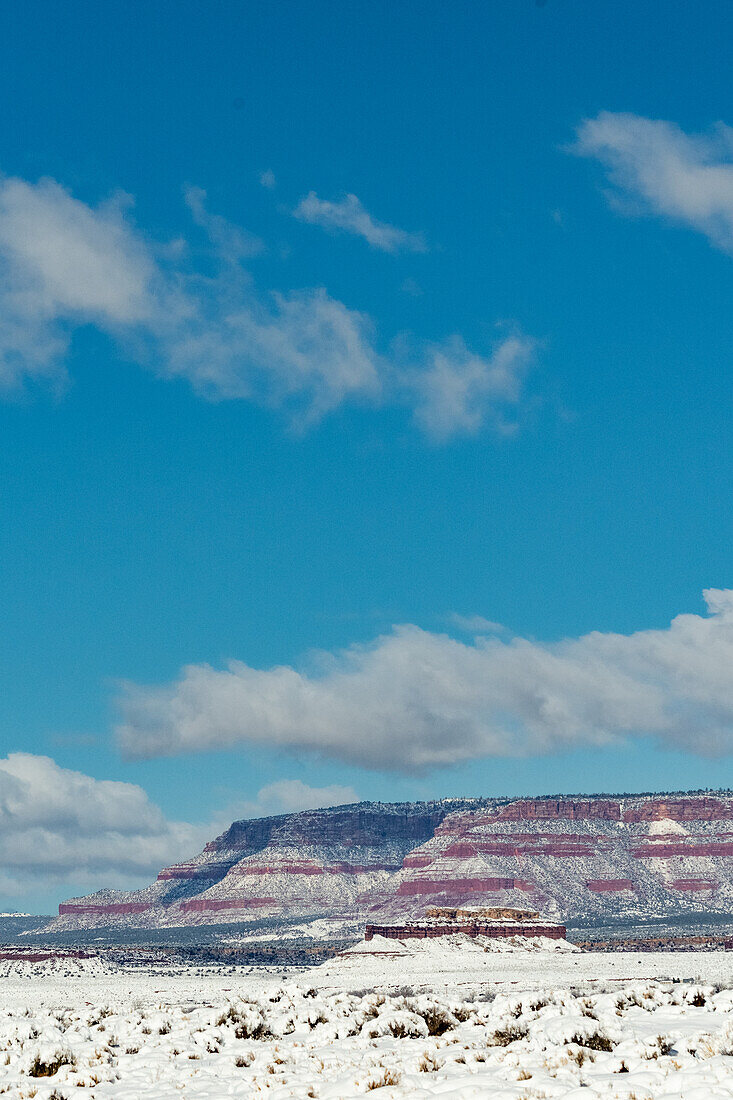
(459, 963)
(642, 1040)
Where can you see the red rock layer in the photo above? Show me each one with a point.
(680, 809)
(697, 885)
(545, 809)
(462, 886)
(417, 861)
(609, 885)
(117, 909)
(494, 932)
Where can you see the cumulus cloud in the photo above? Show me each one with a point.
(413, 700)
(197, 314)
(58, 825)
(349, 216)
(686, 177)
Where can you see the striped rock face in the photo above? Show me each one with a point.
(580, 858)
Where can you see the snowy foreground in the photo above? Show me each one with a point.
(453, 1018)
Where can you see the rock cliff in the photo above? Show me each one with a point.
(575, 859)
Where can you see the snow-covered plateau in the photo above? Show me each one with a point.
(451, 1018)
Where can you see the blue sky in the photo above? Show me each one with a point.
(320, 318)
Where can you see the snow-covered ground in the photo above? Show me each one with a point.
(322, 928)
(440, 1018)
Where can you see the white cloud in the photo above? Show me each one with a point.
(688, 178)
(288, 796)
(58, 825)
(267, 179)
(349, 216)
(198, 315)
(306, 351)
(63, 263)
(457, 392)
(232, 243)
(475, 624)
(414, 700)
(67, 257)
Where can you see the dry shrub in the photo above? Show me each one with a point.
(506, 1035)
(40, 1068)
(389, 1077)
(438, 1020)
(399, 1030)
(244, 1028)
(596, 1041)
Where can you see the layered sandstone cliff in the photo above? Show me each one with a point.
(575, 859)
(572, 859)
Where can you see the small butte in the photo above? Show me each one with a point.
(494, 922)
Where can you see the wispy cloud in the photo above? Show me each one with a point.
(64, 264)
(414, 700)
(349, 216)
(58, 825)
(198, 314)
(685, 177)
(475, 624)
(457, 392)
(232, 243)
